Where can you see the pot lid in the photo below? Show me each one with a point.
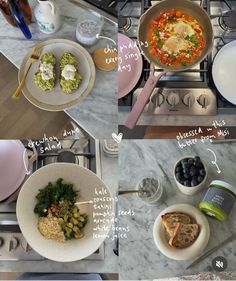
(13, 160)
(224, 184)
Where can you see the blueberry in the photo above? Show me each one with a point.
(198, 163)
(178, 176)
(178, 169)
(202, 172)
(200, 179)
(190, 161)
(186, 166)
(182, 182)
(193, 173)
(194, 178)
(186, 171)
(192, 167)
(184, 161)
(186, 176)
(187, 183)
(194, 183)
(197, 158)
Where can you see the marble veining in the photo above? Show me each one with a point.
(139, 257)
(97, 113)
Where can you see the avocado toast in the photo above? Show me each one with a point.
(70, 79)
(45, 78)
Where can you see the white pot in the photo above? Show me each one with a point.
(48, 16)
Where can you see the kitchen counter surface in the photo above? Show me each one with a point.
(97, 113)
(139, 257)
(108, 265)
(170, 120)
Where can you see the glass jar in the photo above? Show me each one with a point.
(89, 27)
(24, 6)
(150, 189)
(218, 200)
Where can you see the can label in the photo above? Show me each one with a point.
(220, 199)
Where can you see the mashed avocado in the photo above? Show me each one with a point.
(46, 85)
(48, 58)
(68, 58)
(68, 86)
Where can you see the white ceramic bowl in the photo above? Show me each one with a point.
(190, 190)
(85, 181)
(192, 251)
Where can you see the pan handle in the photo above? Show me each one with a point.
(143, 99)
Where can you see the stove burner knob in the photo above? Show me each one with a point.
(1, 242)
(157, 99)
(204, 101)
(26, 247)
(173, 99)
(189, 100)
(13, 244)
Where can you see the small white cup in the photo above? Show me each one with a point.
(190, 190)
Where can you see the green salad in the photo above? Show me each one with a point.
(59, 218)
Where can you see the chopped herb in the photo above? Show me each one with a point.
(172, 19)
(173, 56)
(156, 32)
(160, 44)
(192, 39)
(188, 38)
(184, 63)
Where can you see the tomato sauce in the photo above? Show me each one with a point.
(176, 39)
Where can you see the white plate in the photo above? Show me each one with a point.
(224, 71)
(187, 253)
(85, 181)
(57, 100)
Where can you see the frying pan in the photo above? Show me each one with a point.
(128, 80)
(190, 8)
(14, 165)
(223, 71)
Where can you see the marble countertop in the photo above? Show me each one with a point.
(108, 265)
(175, 120)
(97, 113)
(139, 257)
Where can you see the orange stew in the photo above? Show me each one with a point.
(176, 38)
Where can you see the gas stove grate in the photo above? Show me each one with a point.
(109, 6)
(88, 153)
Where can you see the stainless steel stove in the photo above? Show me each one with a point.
(84, 152)
(190, 92)
(107, 8)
